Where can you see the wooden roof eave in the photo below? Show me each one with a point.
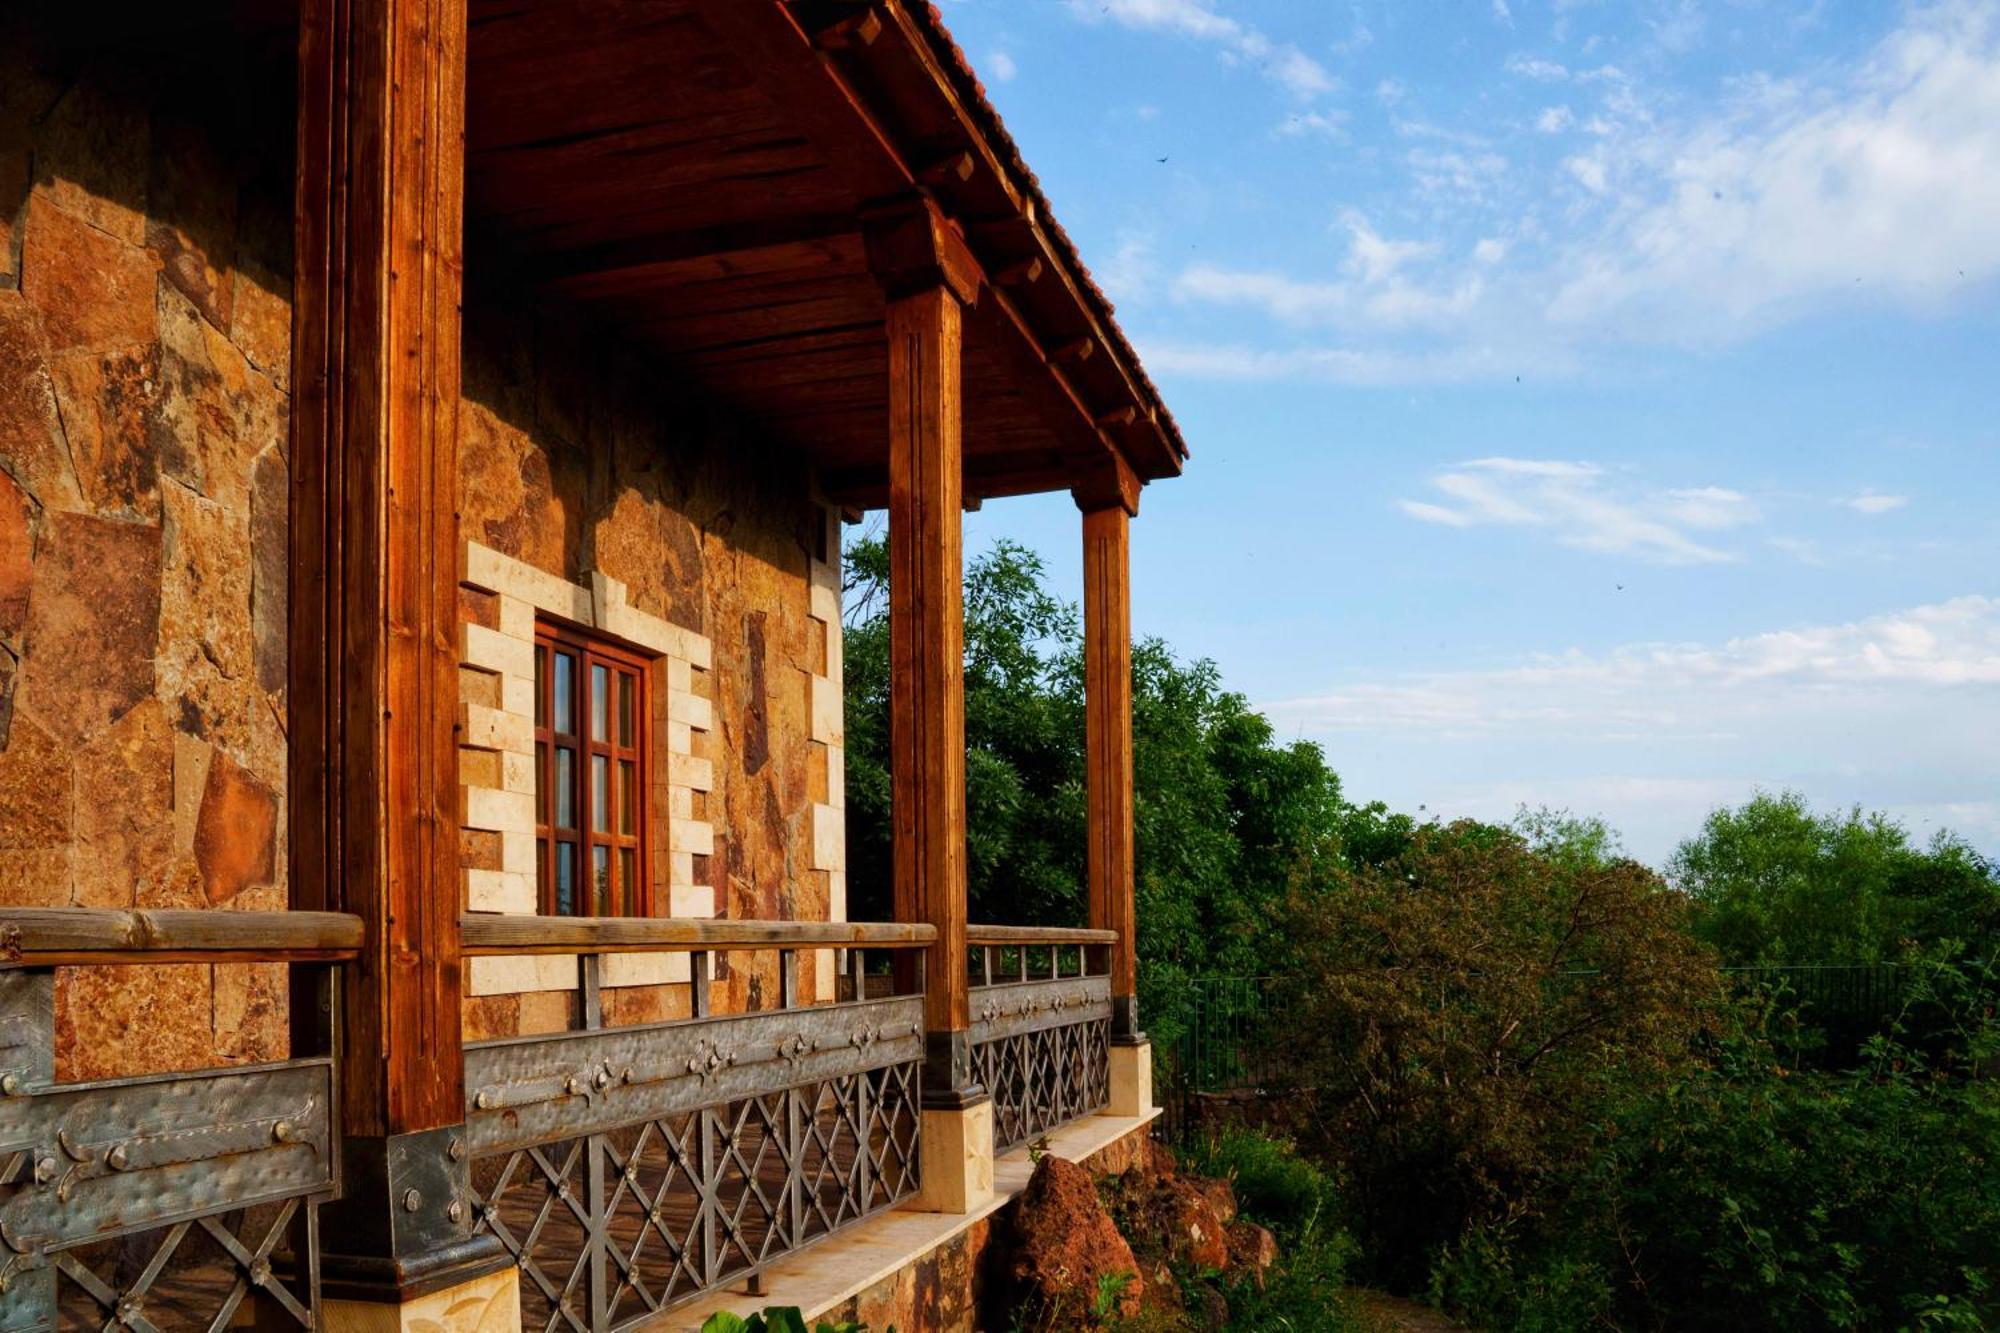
(813, 57)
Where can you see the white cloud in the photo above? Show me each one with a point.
(1134, 268)
(1883, 186)
(1002, 67)
(1541, 71)
(1325, 124)
(1887, 710)
(1776, 201)
(1290, 67)
(1872, 503)
(1578, 505)
(1502, 13)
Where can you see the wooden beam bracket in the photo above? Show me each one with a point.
(913, 247)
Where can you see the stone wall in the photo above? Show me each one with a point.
(145, 342)
(584, 475)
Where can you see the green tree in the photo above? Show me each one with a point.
(1777, 883)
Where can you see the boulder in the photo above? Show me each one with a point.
(1252, 1250)
(1065, 1243)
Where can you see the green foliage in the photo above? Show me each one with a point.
(777, 1319)
(1777, 883)
(1110, 1290)
(1274, 1184)
(1225, 817)
(1464, 1013)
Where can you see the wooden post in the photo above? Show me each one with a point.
(1108, 508)
(929, 277)
(374, 620)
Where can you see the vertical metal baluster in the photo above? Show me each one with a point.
(788, 979)
(708, 1161)
(698, 983)
(986, 965)
(597, 1290)
(795, 1162)
(864, 1138)
(859, 963)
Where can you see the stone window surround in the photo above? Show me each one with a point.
(683, 721)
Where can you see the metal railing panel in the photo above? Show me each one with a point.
(1042, 1049)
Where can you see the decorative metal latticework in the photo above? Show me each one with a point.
(804, 1121)
(172, 1201)
(1042, 1049)
(1042, 1080)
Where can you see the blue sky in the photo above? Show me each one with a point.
(1593, 405)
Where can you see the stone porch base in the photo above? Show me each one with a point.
(917, 1271)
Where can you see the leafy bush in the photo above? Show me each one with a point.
(776, 1319)
(1464, 1016)
(1274, 1185)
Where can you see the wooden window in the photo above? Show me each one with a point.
(591, 749)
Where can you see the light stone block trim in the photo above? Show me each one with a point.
(825, 714)
(497, 759)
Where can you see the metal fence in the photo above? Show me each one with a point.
(1221, 1043)
(1041, 1028)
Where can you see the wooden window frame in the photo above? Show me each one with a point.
(589, 650)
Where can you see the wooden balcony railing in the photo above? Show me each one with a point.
(631, 1169)
(171, 1200)
(1041, 1025)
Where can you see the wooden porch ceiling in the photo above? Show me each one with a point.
(696, 173)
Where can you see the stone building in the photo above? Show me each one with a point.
(425, 433)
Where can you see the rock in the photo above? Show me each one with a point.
(1220, 1197)
(17, 556)
(207, 662)
(1252, 1249)
(30, 431)
(108, 400)
(270, 568)
(34, 791)
(95, 291)
(252, 1012)
(125, 810)
(91, 153)
(192, 223)
(93, 625)
(235, 839)
(1065, 1243)
(1194, 1233)
(118, 1022)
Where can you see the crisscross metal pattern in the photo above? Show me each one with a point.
(1043, 1050)
(612, 1226)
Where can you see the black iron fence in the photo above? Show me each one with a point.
(1041, 1026)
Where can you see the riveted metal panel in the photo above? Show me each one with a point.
(1032, 1006)
(525, 1091)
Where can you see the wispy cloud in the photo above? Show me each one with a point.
(1290, 67)
(1578, 504)
(1872, 503)
(1002, 67)
(1653, 735)
(1781, 200)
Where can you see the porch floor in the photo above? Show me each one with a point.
(847, 1264)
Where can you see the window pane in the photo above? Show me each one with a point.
(600, 703)
(601, 877)
(566, 879)
(600, 796)
(628, 882)
(565, 694)
(565, 787)
(541, 782)
(541, 685)
(626, 682)
(541, 869)
(628, 796)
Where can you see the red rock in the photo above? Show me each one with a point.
(1220, 1197)
(108, 402)
(206, 662)
(191, 217)
(1252, 1248)
(91, 155)
(235, 838)
(252, 1012)
(34, 790)
(118, 1022)
(124, 789)
(17, 556)
(270, 568)
(95, 292)
(93, 625)
(37, 457)
(1194, 1232)
(1065, 1243)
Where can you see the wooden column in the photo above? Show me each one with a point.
(1108, 509)
(929, 277)
(374, 619)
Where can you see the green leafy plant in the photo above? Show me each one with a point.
(1110, 1290)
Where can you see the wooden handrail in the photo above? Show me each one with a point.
(1038, 935)
(484, 934)
(65, 936)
